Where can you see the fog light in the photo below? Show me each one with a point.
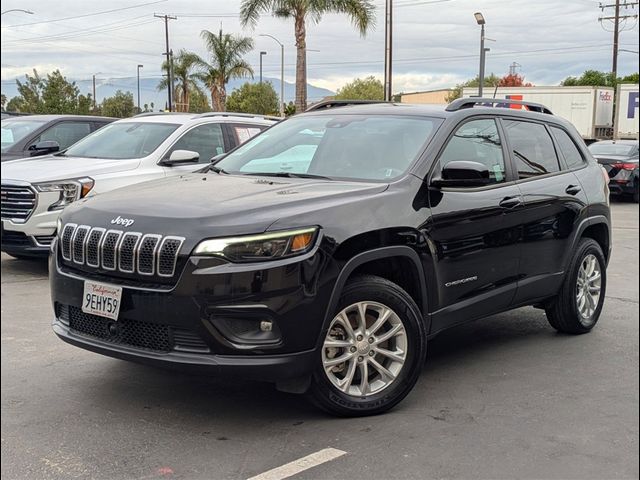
(266, 325)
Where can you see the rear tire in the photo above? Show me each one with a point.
(577, 307)
(379, 333)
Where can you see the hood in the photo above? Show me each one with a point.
(56, 167)
(205, 205)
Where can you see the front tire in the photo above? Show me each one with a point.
(373, 351)
(577, 307)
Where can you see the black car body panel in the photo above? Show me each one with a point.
(461, 253)
(623, 170)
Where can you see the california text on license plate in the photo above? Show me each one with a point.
(101, 299)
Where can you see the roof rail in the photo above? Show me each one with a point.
(339, 103)
(153, 114)
(471, 102)
(236, 114)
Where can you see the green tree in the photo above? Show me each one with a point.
(369, 88)
(199, 103)
(490, 81)
(632, 78)
(59, 95)
(289, 109)
(29, 97)
(225, 52)
(593, 78)
(51, 94)
(185, 75)
(120, 105)
(260, 98)
(3, 100)
(360, 12)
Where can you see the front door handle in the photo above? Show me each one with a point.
(511, 202)
(573, 189)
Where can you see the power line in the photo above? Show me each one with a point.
(86, 14)
(617, 18)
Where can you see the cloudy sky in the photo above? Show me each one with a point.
(435, 41)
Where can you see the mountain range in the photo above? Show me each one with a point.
(106, 87)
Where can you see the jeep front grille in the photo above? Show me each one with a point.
(115, 250)
(18, 202)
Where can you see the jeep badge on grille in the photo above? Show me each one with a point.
(125, 222)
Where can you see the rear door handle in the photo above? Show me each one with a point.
(573, 189)
(511, 202)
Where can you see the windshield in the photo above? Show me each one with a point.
(15, 129)
(122, 140)
(623, 149)
(360, 147)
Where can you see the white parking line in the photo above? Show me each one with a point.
(300, 465)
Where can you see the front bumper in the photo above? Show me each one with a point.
(209, 297)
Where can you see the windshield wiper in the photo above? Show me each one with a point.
(288, 175)
(213, 168)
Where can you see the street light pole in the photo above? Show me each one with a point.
(94, 88)
(139, 67)
(281, 71)
(388, 50)
(261, 55)
(481, 22)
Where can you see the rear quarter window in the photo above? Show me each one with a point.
(570, 151)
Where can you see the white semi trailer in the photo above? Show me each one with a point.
(626, 122)
(590, 109)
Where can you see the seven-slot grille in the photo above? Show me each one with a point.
(115, 250)
(17, 202)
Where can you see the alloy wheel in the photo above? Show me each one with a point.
(365, 349)
(588, 286)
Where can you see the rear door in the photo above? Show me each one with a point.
(554, 200)
(241, 132)
(475, 231)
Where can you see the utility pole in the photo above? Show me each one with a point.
(513, 68)
(617, 20)
(388, 50)
(139, 67)
(167, 53)
(94, 92)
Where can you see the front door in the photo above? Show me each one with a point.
(475, 231)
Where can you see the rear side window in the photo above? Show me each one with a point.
(477, 141)
(532, 147)
(242, 133)
(569, 150)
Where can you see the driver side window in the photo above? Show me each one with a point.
(477, 141)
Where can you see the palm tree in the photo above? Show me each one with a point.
(360, 12)
(225, 63)
(185, 78)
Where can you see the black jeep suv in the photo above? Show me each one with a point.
(324, 253)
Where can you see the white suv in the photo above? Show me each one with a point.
(133, 150)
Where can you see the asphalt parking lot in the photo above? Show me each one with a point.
(505, 397)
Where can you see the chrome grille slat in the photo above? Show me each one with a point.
(118, 251)
(17, 203)
(93, 246)
(127, 251)
(168, 255)
(77, 244)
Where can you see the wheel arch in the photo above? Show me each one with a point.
(376, 262)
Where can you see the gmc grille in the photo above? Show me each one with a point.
(115, 250)
(17, 202)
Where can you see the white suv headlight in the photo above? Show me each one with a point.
(70, 190)
(260, 247)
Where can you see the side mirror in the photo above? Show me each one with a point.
(44, 147)
(181, 156)
(461, 173)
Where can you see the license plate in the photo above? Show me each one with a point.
(101, 299)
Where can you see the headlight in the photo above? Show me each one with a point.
(264, 246)
(70, 190)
